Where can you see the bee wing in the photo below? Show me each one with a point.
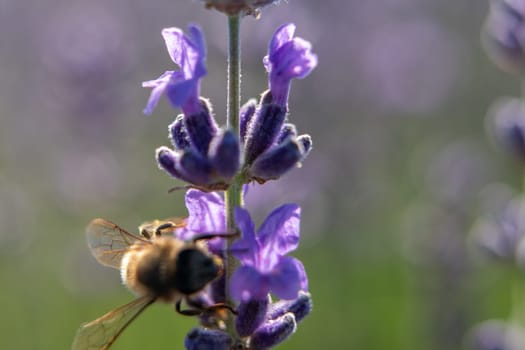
(108, 242)
(101, 333)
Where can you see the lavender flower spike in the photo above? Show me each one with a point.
(182, 87)
(264, 266)
(287, 58)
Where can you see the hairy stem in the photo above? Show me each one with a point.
(233, 196)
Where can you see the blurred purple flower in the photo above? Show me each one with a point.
(265, 267)
(506, 120)
(500, 234)
(287, 58)
(503, 35)
(182, 87)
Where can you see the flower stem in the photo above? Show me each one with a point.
(233, 196)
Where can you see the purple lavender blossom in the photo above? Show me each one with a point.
(181, 87)
(287, 58)
(503, 35)
(506, 119)
(264, 266)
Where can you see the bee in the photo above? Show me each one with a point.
(153, 266)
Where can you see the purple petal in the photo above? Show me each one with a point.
(247, 283)
(175, 43)
(179, 91)
(279, 233)
(285, 279)
(159, 86)
(206, 212)
(246, 248)
(303, 278)
(282, 35)
(199, 69)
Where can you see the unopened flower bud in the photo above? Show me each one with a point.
(207, 339)
(306, 142)
(263, 129)
(277, 161)
(273, 332)
(251, 315)
(201, 127)
(288, 130)
(225, 154)
(300, 307)
(178, 134)
(246, 113)
(169, 162)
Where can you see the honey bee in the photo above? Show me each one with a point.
(153, 266)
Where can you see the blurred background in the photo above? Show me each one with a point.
(401, 169)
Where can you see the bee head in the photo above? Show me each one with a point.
(195, 269)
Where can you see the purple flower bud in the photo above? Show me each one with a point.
(185, 165)
(507, 120)
(182, 87)
(263, 129)
(251, 315)
(195, 167)
(201, 128)
(178, 134)
(207, 339)
(503, 35)
(273, 332)
(225, 154)
(306, 142)
(288, 130)
(277, 161)
(287, 58)
(169, 161)
(246, 113)
(300, 307)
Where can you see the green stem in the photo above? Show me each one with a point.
(233, 196)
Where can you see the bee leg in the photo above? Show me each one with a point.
(220, 306)
(187, 312)
(207, 236)
(198, 310)
(158, 230)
